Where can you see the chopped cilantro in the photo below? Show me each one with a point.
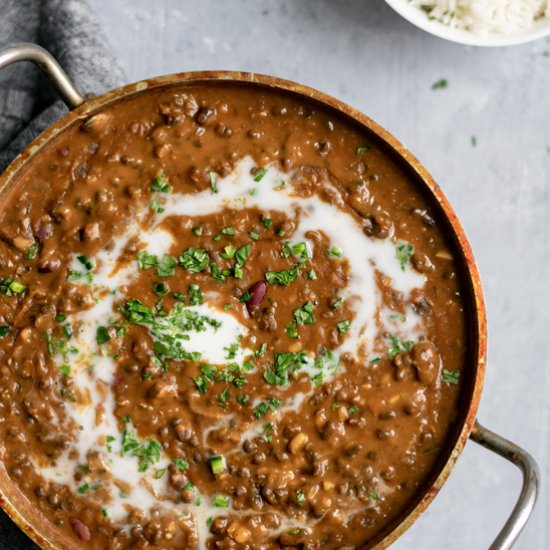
(32, 251)
(292, 330)
(312, 275)
(221, 502)
(338, 303)
(102, 335)
(403, 253)
(213, 182)
(146, 260)
(241, 255)
(260, 352)
(148, 451)
(197, 231)
(228, 252)
(363, 148)
(195, 295)
(301, 251)
(450, 377)
(334, 252)
(181, 464)
(263, 407)
(300, 498)
(304, 315)
(161, 289)
(284, 365)
(74, 276)
(86, 262)
(216, 272)
(194, 260)
(155, 206)
(160, 473)
(343, 326)
(397, 347)
(253, 235)
(266, 221)
(258, 176)
(65, 370)
(229, 231)
(166, 266)
(282, 277)
(160, 184)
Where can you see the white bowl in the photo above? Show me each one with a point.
(419, 18)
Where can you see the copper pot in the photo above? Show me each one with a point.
(28, 518)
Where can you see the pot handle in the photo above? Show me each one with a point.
(529, 491)
(45, 60)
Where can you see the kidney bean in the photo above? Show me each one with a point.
(257, 294)
(81, 529)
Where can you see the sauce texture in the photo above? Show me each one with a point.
(228, 320)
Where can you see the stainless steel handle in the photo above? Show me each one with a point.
(529, 491)
(58, 77)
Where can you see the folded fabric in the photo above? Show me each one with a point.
(68, 30)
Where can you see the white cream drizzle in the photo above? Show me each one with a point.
(95, 372)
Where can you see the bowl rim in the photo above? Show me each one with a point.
(418, 18)
(37, 528)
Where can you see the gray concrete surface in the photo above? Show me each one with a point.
(363, 53)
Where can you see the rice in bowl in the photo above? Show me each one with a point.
(486, 17)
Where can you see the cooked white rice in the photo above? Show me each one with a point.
(486, 16)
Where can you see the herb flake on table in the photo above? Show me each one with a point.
(441, 84)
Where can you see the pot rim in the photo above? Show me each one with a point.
(471, 278)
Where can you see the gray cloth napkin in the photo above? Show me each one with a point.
(68, 30)
(29, 104)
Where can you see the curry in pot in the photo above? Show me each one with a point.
(228, 320)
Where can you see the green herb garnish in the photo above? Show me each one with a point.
(181, 464)
(10, 286)
(343, 326)
(258, 176)
(32, 251)
(167, 266)
(403, 253)
(397, 347)
(334, 252)
(282, 277)
(440, 84)
(194, 260)
(363, 148)
(160, 184)
(221, 502)
(102, 335)
(213, 182)
(303, 315)
(450, 377)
